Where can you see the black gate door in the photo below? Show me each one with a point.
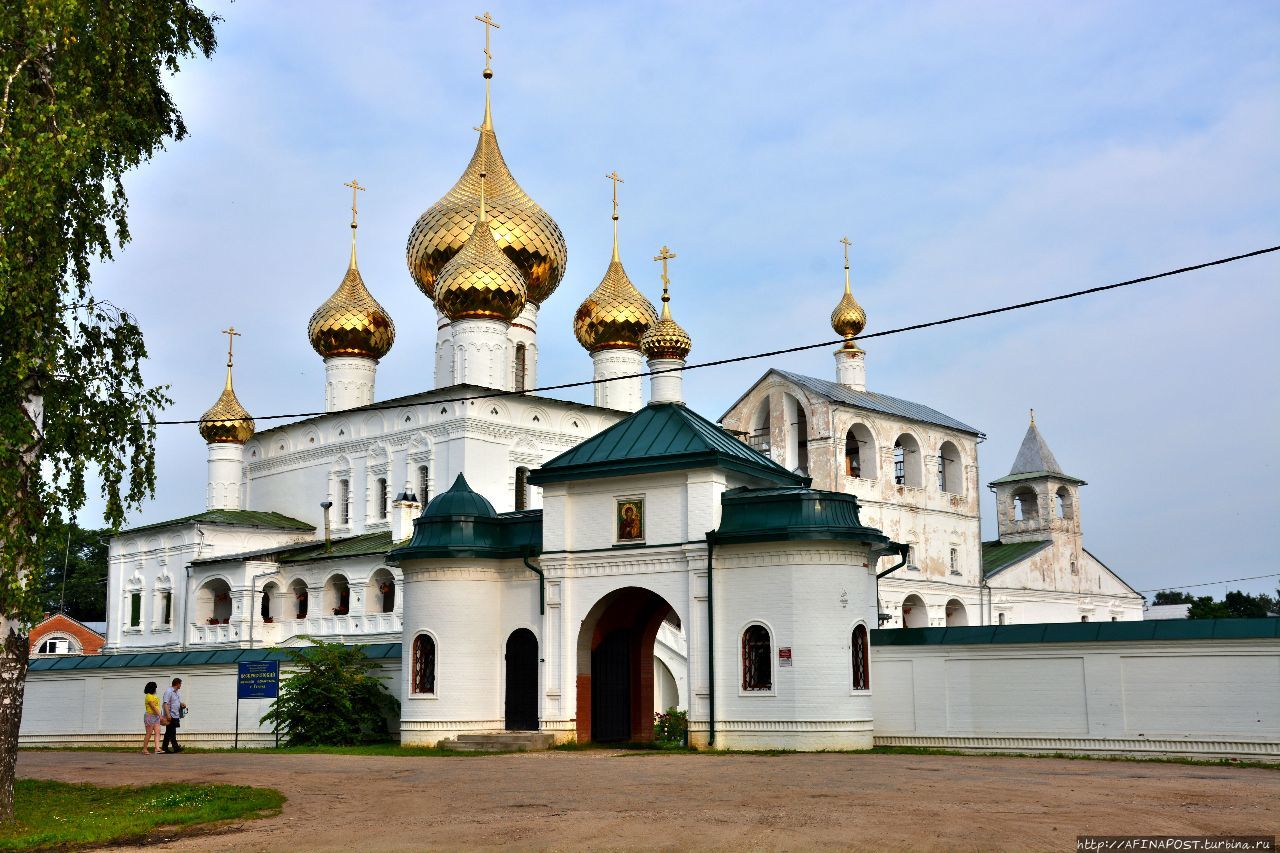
(522, 680)
(611, 688)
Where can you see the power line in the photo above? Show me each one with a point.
(1212, 583)
(735, 359)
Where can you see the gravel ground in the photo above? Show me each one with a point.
(603, 800)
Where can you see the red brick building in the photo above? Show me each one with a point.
(59, 634)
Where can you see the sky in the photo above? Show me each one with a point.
(977, 154)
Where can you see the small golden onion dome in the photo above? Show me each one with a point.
(480, 282)
(848, 319)
(351, 322)
(615, 315)
(226, 422)
(525, 233)
(666, 338)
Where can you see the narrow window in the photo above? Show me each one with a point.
(135, 610)
(424, 483)
(852, 462)
(264, 609)
(424, 664)
(388, 590)
(955, 561)
(899, 465)
(861, 671)
(166, 608)
(522, 488)
(1084, 618)
(1074, 571)
(344, 501)
(382, 498)
(757, 659)
(1001, 618)
(520, 367)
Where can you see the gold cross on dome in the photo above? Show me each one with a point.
(231, 334)
(489, 25)
(847, 244)
(613, 176)
(665, 255)
(355, 188)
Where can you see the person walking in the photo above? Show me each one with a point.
(173, 708)
(150, 718)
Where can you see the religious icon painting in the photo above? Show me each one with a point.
(630, 519)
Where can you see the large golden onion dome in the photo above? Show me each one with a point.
(227, 422)
(848, 319)
(480, 282)
(666, 339)
(615, 315)
(525, 233)
(351, 322)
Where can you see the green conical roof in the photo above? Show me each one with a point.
(459, 499)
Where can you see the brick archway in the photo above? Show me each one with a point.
(617, 638)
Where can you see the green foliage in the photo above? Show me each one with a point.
(1166, 596)
(86, 572)
(57, 814)
(333, 698)
(1235, 605)
(671, 726)
(83, 101)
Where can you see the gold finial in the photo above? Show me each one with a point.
(1033, 417)
(665, 339)
(489, 25)
(664, 255)
(231, 334)
(355, 190)
(613, 176)
(847, 244)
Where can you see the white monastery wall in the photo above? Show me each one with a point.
(1216, 697)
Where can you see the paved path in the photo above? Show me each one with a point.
(603, 800)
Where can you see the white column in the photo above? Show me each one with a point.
(851, 370)
(524, 332)
(481, 354)
(444, 351)
(666, 387)
(348, 382)
(624, 394)
(226, 470)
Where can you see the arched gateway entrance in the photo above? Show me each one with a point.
(522, 681)
(615, 666)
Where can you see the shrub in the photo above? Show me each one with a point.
(672, 726)
(332, 698)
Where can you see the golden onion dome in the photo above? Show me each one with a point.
(480, 282)
(226, 422)
(666, 339)
(848, 319)
(615, 315)
(525, 233)
(351, 322)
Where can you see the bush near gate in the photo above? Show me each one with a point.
(671, 727)
(332, 698)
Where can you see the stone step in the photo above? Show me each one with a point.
(498, 742)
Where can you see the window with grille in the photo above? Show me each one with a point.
(382, 497)
(424, 483)
(757, 659)
(344, 501)
(424, 664)
(521, 370)
(861, 670)
(899, 465)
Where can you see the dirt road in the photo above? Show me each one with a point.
(602, 800)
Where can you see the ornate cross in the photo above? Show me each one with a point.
(847, 244)
(613, 176)
(665, 255)
(489, 25)
(355, 188)
(231, 334)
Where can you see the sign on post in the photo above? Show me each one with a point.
(256, 679)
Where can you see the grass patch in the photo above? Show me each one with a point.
(57, 814)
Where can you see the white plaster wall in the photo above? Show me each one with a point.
(1216, 697)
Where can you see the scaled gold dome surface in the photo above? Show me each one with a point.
(524, 232)
(480, 282)
(615, 315)
(666, 338)
(848, 319)
(351, 322)
(226, 422)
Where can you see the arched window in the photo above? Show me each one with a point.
(1065, 509)
(382, 498)
(957, 615)
(1026, 507)
(861, 670)
(424, 664)
(424, 484)
(797, 434)
(344, 501)
(757, 659)
(264, 609)
(301, 598)
(906, 462)
(914, 612)
(522, 488)
(57, 645)
(949, 476)
(859, 453)
(337, 595)
(520, 367)
(758, 438)
(1000, 617)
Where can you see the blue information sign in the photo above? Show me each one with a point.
(259, 679)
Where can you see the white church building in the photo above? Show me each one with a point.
(568, 568)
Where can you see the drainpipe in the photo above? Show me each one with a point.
(711, 658)
(542, 583)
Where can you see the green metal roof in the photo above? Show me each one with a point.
(770, 515)
(660, 437)
(1081, 632)
(234, 517)
(998, 556)
(367, 544)
(164, 660)
(461, 523)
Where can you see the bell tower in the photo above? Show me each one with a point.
(1036, 500)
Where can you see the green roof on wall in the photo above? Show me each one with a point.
(1081, 632)
(157, 660)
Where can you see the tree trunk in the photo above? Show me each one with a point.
(13, 684)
